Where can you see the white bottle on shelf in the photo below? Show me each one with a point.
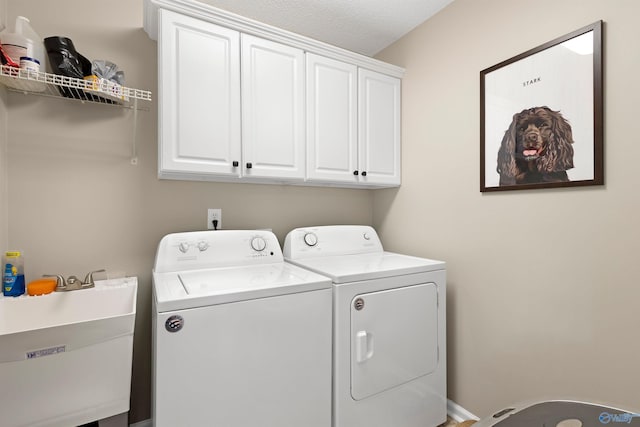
(38, 51)
(15, 44)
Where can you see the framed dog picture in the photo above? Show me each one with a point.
(541, 116)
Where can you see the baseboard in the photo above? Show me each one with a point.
(458, 413)
(455, 412)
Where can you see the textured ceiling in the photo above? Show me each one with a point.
(363, 26)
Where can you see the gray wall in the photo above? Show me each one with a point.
(543, 284)
(75, 201)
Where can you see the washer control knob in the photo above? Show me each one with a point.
(184, 247)
(311, 239)
(366, 236)
(203, 245)
(258, 244)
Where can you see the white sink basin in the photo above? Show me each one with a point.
(65, 357)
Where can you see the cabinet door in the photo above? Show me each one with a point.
(199, 98)
(378, 128)
(331, 120)
(272, 109)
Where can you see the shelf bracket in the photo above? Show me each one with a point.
(134, 146)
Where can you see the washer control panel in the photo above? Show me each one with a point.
(214, 249)
(331, 240)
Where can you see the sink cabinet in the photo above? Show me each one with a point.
(240, 101)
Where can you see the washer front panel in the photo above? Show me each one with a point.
(263, 362)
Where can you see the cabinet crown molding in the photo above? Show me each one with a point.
(248, 26)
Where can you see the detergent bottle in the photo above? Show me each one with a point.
(13, 278)
(23, 42)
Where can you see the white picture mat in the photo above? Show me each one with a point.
(561, 78)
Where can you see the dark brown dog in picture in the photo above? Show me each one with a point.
(536, 148)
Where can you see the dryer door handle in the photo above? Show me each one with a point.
(364, 346)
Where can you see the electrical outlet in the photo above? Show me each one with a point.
(214, 214)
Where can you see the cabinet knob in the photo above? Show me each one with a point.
(249, 165)
(364, 173)
(235, 163)
(355, 172)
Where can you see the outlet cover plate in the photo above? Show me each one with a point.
(214, 214)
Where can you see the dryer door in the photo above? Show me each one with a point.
(394, 338)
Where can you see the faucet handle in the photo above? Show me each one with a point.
(61, 284)
(88, 280)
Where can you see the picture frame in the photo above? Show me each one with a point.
(541, 116)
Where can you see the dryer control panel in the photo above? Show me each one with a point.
(215, 249)
(331, 240)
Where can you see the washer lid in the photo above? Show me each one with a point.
(199, 288)
(353, 268)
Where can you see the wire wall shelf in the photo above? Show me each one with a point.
(99, 91)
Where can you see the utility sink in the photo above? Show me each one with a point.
(65, 357)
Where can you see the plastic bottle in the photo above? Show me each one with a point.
(13, 278)
(38, 52)
(16, 44)
(23, 42)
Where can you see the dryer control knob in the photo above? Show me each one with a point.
(203, 245)
(258, 244)
(184, 247)
(311, 239)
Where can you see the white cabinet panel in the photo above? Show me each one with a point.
(272, 109)
(199, 97)
(331, 120)
(379, 128)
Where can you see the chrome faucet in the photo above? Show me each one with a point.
(73, 283)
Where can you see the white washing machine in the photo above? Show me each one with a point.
(240, 338)
(389, 344)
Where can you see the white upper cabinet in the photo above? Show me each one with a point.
(199, 98)
(379, 128)
(353, 124)
(272, 110)
(332, 138)
(240, 101)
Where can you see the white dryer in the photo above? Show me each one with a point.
(240, 338)
(389, 343)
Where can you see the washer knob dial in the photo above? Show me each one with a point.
(184, 247)
(203, 245)
(258, 244)
(311, 239)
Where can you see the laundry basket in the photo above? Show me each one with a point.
(560, 413)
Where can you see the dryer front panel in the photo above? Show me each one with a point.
(394, 338)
